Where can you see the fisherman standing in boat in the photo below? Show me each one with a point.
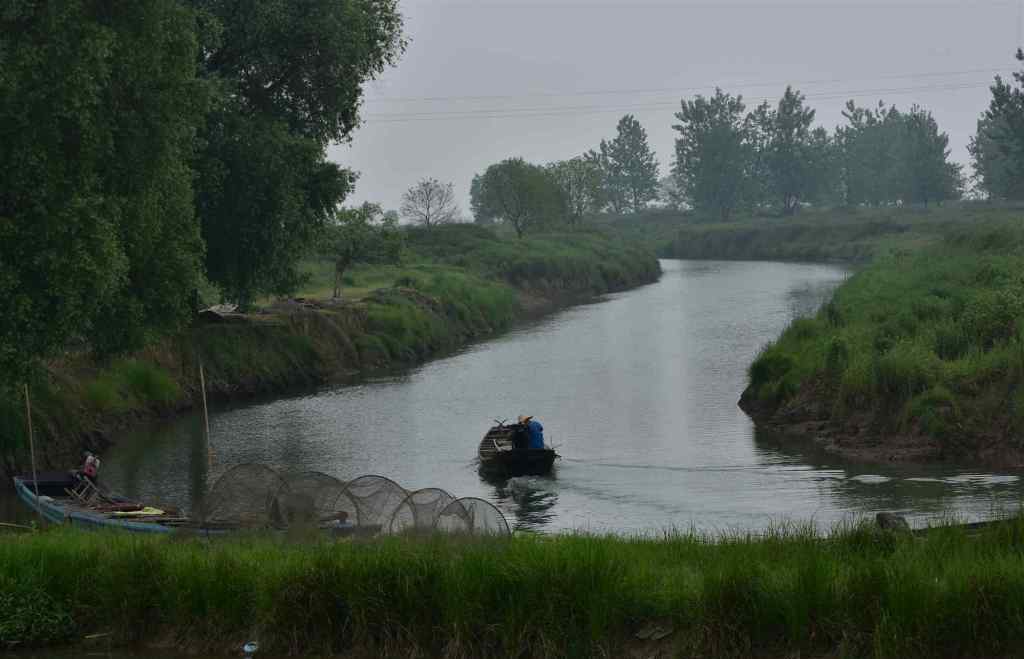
(90, 469)
(534, 430)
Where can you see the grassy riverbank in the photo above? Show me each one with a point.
(919, 356)
(817, 235)
(456, 284)
(857, 593)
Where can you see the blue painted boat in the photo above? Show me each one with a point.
(57, 507)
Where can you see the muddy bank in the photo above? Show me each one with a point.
(870, 438)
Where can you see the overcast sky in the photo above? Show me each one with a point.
(484, 80)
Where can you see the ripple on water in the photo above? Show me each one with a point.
(871, 479)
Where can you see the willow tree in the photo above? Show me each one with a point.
(290, 76)
(99, 105)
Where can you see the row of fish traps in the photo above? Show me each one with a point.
(256, 496)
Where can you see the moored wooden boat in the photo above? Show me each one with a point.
(57, 506)
(64, 500)
(502, 452)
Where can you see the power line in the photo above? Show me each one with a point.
(666, 90)
(535, 112)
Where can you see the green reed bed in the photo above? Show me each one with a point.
(852, 235)
(930, 341)
(857, 592)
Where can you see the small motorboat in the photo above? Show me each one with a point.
(503, 452)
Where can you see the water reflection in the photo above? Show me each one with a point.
(925, 493)
(526, 501)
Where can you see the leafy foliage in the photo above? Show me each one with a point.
(629, 167)
(998, 148)
(290, 79)
(365, 235)
(581, 182)
(796, 157)
(98, 109)
(887, 157)
(713, 153)
(519, 193)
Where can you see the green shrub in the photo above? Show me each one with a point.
(936, 410)
(950, 340)
(990, 316)
(803, 329)
(146, 382)
(103, 396)
(857, 386)
(371, 350)
(906, 370)
(29, 616)
(837, 357)
(769, 366)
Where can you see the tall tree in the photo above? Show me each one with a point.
(99, 104)
(580, 180)
(997, 150)
(290, 74)
(364, 234)
(796, 156)
(713, 153)
(926, 174)
(869, 154)
(430, 202)
(631, 168)
(519, 193)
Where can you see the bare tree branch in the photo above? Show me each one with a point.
(430, 202)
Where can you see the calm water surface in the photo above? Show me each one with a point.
(638, 392)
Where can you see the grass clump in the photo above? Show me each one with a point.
(929, 342)
(857, 592)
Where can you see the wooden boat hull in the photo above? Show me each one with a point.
(520, 462)
(500, 456)
(56, 512)
(55, 508)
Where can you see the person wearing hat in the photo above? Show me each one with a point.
(534, 429)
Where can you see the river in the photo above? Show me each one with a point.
(638, 392)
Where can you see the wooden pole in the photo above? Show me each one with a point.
(206, 420)
(32, 451)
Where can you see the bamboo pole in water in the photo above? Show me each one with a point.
(32, 451)
(206, 420)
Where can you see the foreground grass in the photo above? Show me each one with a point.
(856, 593)
(925, 343)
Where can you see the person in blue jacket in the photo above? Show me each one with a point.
(534, 429)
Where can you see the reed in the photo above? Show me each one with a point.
(925, 342)
(854, 592)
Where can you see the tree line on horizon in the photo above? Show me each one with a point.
(771, 159)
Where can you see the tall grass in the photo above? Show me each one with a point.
(848, 235)
(856, 592)
(929, 341)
